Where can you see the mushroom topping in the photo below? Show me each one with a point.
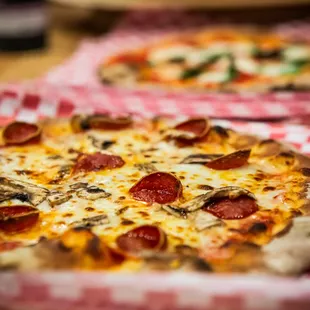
(200, 158)
(63, 172)
(92, 193)
(89, 222)
(56, 198)
(229, 202)
(23, 191)
(100, 144)
(78, 185)
(204, 220)
(146, 167)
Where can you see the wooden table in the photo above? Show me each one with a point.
(67, 27)
(70, 25)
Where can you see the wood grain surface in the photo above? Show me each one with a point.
(192, 4)
(67, 27)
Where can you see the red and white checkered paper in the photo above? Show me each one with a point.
(137, 30)
(158, 291)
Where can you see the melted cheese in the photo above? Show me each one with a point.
(39, 165)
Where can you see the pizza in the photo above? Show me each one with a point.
(220, 59)
(124, 194)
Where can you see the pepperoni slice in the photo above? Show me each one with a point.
(232, 209)
(160, 187)
(243, 77)
(141, 239)
(102, 122)
(133, 58)
(193, 128)
(97, 161)
(230, 161)
(9, 246)
(20, 133)
(14, 219)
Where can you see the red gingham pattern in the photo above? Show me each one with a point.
(154, 291)
(158, 291)
(135, 30)
(39, 100)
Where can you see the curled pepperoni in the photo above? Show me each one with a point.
(9, 246)
(230, 161)
(160, 187)
(102, 122)
(133, 58)
(141, 239)
(193, 128)
(107, 123)
(20, 133)
(97, 161)
(232, 209)
(19, 218)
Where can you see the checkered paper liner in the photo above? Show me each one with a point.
(39, 100)
(136, 30)
(150, 291)
(158, 291)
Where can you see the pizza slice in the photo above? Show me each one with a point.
(220, 60)
(128, 195)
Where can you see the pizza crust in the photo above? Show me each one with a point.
(195, 62)
(276, 177)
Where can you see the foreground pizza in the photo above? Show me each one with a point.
(230, 60)
(119, 194)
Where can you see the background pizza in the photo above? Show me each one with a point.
(220, 59)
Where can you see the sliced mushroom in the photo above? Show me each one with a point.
(23, 191)
(200, 158)
(178, 212)
(79, 123)
(204, 220)
(100, 144)
(146, 167)
(62, 173)
(78, 185)
(92, 193)
(289, 253)
(200, 201)
(56, 198)
(89, 222)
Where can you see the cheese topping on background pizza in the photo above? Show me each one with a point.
(121, 194)
(216, 59)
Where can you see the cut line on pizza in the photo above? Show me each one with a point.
(123, 194)
(223, 59)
